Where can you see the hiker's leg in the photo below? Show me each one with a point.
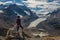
(21, 26)
(17, 28)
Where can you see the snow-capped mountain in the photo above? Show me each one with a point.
(31, 8)
(52, 22)
(10, 12)
(24, 10)
(40, 7)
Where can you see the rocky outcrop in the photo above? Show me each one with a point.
(54, 19)
(52, 23)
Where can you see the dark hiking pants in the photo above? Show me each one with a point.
(18, 26)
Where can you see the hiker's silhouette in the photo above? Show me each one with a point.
(19, 23)
(17, 35)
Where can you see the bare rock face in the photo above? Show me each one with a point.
(54, 19)
(51, 24)
(3, 31)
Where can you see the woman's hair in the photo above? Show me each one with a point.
(18, 16)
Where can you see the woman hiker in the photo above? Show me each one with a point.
(19, 23)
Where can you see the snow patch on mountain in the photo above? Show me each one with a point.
(1, 11)
(43, 7)
(37, 6)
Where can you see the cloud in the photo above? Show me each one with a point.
(1, 11)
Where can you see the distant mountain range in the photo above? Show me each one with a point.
(38, 6)
(52, 22)
(29, 0)
(30, 12)
(10, 12)
(35, 9)
(54, 19)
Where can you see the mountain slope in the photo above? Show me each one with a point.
(9, 15)
(54, 19)
(51, 24)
